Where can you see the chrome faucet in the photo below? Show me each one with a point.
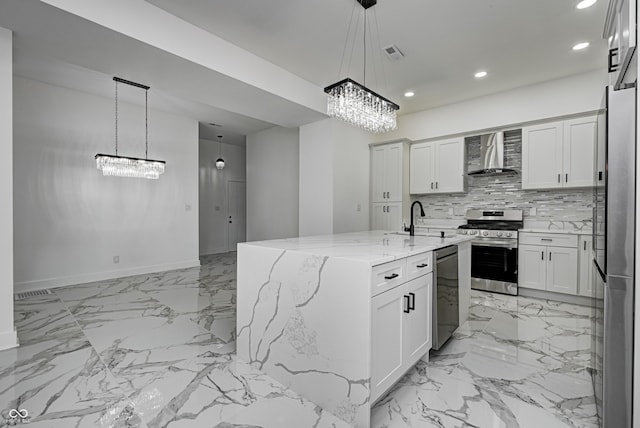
(411, 229)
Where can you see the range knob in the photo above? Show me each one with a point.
(485, 233)
(509, 234)
(498, 234)
(473, 232)
(463, 232)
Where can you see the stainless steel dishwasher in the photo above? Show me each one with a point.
(445, 295)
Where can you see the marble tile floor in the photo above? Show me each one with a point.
(159, 351)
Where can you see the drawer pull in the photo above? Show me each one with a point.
(546, 239)
(412, 302)
(393, 275)
(549, 255)
(423, 265)
(406, 304)
(542, 255)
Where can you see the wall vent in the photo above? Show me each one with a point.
(27, 294)
(393, 53)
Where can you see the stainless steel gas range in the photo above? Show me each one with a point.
(494, 250)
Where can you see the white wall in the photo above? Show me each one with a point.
(70, 221)
(214, 226)
(334, 178)
(561, 97)
(272, 184)
(316, 178)
(8, 337)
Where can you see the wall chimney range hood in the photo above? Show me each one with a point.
(492, 156)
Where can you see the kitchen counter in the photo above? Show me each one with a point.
(371, 247)
(311, 312)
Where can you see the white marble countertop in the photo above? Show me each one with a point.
(371, 247)
(559, 231)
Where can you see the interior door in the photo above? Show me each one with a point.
(237, 205)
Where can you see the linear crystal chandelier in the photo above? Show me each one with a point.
(124, 166)
(358, 105)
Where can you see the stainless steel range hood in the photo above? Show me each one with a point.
(492, 155)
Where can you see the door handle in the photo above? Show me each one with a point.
(382, 195)
(585, 245)
(412, 302)
(542, 255)
(394, 275)
(599, 175)
(406, 304)
(432, 185)
(558, 178)
(566, 178)
(549, 255)
(436, 184)
(613, 53)
(423, 265)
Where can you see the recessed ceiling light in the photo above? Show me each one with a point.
(409, 94)
(585, 4)
(580, 46)
(480, 74)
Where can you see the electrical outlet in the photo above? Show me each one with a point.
(187, 207)
(116, 259)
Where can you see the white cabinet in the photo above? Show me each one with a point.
(552, 266)
(386, 216)
(437, 167)
(389, 186)
(559, 154)
(620, 30)
(401, 331)
(386, 172)
(464, 280)
(585, 263)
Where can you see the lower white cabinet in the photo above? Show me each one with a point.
(401, 331)
(586, 272)
(552, 267)
(386, 216)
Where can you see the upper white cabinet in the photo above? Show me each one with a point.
(620, 30)
(386, 172)
(558, 154)
(437, 167)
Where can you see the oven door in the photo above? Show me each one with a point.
(494, 265)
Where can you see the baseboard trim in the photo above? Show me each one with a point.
(214, 251)
(8, 340)
(42, 284)
(549, 295)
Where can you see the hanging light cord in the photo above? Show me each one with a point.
(364, 43)
(146, 124)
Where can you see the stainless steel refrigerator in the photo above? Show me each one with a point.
(614, 253)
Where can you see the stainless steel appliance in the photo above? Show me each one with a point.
(614, 255)
(492, 155)
(494, 251)
(446, 311)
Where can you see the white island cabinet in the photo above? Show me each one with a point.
(337, 318)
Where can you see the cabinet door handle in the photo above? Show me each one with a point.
(566, 178)
(412, 304)
(613, 53)
(432, 185)
(382, 195)
(393, 275)
(406, 304)
(542, 255)
(546, 239)
(585, 245)
(599, 175)
(436, 184)
(423, 265)
(549, 255)
(558, 178)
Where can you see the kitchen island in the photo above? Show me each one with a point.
(337, 318)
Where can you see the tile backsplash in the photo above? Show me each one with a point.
(505, 192)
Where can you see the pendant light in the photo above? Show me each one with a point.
(219, 161)
(358, 105)
(124, 166)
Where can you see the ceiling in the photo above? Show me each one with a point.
(445, 42)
